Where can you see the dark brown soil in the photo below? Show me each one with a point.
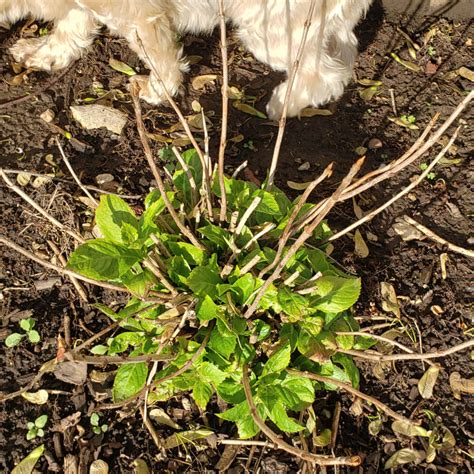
(444, 204)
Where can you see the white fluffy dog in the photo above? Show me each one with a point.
(270, 29)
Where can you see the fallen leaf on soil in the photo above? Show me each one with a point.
(375, 427)
(361, 249)
(38, 398)
(248, 109)
(369, 82)
(104, 178)
(194, 59)
(41, 181)
(234, 93)
(443, 258)
(428, 381)
(368, 93)
(298, 186)
(99, 467)
(359, 213)
(23, 178)
(73, 372)
(305, 166)
(121, 67)
(199, 82)
(389, 299)
(408, 64)
(391, 335)
(140, 467)
(406, 231)
(160, 417)
(179, 439)
(460, 385)
(27, 464)
(361, 150)
(311, 112)
(323, 439)
(404, 456)
(409, 429)
(466, 73)
(227, 458)
(403, 123)
(196, 106)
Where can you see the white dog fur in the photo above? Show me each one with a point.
(270, 29)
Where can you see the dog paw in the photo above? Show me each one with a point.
(23, 49)
(42, 54)
(275, 105)
(154, 91)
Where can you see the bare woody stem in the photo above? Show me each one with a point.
(36, 206)
(151, 162)
(225, 112)
(320, 460)
(348, 388)
(184, 123)
(305, 235)
(377, 357)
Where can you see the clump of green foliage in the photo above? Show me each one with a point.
(294, 326)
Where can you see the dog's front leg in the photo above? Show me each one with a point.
(154, 42)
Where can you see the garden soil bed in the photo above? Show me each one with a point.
(435, 308)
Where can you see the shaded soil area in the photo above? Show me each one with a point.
(436, 308)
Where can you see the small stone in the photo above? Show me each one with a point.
(304, 167)
(375, 143)
(47, 116)
(96, 116)
(104, 178)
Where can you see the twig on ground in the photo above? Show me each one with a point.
(116, 360)
(36, 206)
(431, 235)
(151, 429)
(60, 270)
(154, 169)
(74, 175)
(335, 425)
(349, 388)
(320, 460)
(79, 288)
(225, 112)
(402, 193)
(377, 357)
(68, 181)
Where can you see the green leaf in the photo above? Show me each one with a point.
(122, 341)
(33, 336)
(103, 260)
(99, 349)
(243, 288)
(294, 305)
(231, 391)
(336, 294)
(349, 367)
(203, 280)
(312, 325)
(323, 439)
(41, 421)
(273, 206)
(192, 254)
(155, 205)
(116, 220)
(139, 283)
(206, 309)
(178, 270)
(261, 329)
(202, 392)
(278, 361)
(129, 380)
(14, 339)
(222, 344)
(27, 465)
(240, 414)
(279, 416)
(27, 324)
(211, 373)
(296, 393)
(216, 235)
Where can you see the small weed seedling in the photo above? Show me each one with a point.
(35, 429)
(28, 326)
(96, 427)
(432, 176)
